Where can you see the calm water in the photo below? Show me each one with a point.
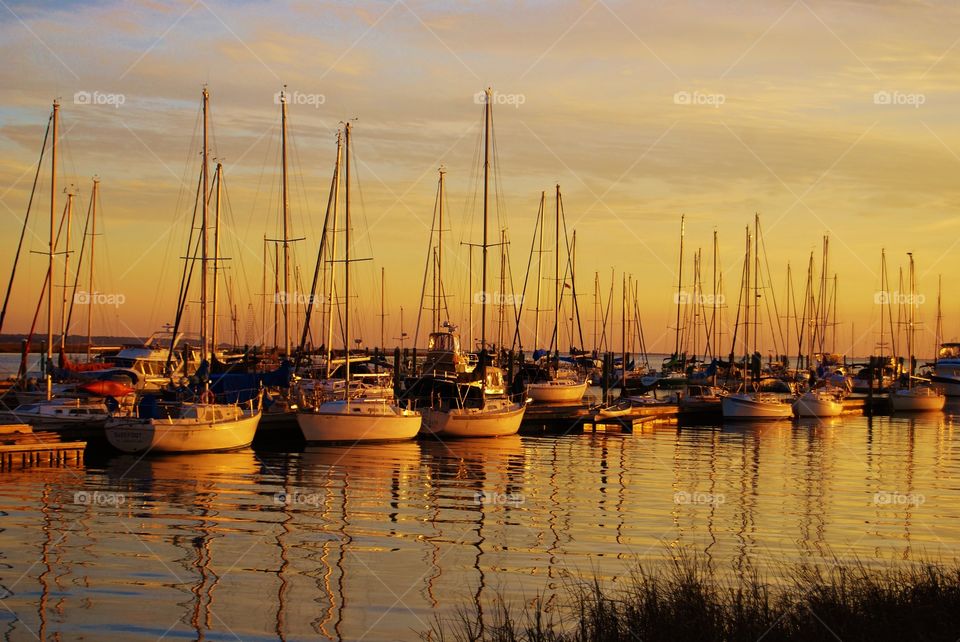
(370, 542)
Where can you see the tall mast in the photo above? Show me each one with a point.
(536, 310)
(53, 206)
(286, 226)
(676, 345)
(203, 227)
(438, 291)
(746, 300)
(883, 289)
(756, 280)
(333, 256)
(912, 319)
(70, 192)
(216, 261)
(346, 261)
(555, 340)
(93, 235)
(596, 308)
(938, 332)
(383, 312)
(487, 104)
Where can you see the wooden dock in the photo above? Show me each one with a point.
(21, 447)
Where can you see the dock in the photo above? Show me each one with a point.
(21, 447)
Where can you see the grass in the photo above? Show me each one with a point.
(688, 601)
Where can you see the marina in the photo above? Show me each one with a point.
(551, 322)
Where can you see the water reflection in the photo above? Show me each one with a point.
(372, 541)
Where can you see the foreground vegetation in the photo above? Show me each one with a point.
(688, 601)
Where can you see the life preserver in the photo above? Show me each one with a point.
(207, 396)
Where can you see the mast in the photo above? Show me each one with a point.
(676, 345)
(938, 332)
(536, 310)
(346, 261)
(286, 226)
(70, 192)
(53, 206)
(503, 277)
(216, 262)
(756, 281)
(912, 320)
(555, 340)
(883, 289)
(203, 228)
(438, 280)
(93, 235)
(333, 255)
(487, 104)
(383, 314)
(596, 309)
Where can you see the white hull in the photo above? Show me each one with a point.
(360, 420)
(181, 435)
(817, 405)
(755, 407)
(499, 420)
(917, 400)
(556, 391)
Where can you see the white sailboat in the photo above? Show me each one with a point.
(820, 402)
(560, 385)
(755, 404)
(474, 403)
(361, 418)
(913, 397)
(195, 426)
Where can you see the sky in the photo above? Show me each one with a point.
(825, 117)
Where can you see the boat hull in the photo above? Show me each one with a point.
(556, 391)
(339, 421)
(181, 435)
(474, 422)
(911, 401)
(817, 406)
(747, 407)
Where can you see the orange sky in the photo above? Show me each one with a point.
(825, 117)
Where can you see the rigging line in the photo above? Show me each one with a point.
(573, 276)
(427, 264)
(321, 251)
(185, 276)
(26, 219)
(517, 339)
(773, 295)
(76, 278)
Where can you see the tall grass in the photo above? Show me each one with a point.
(687, 600)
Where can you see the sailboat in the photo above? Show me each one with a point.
(556, 384)
(753, 404)
(913, 397)
(456, 397)
(200, 425)
(363, 417)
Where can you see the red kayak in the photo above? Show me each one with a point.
(106, 388)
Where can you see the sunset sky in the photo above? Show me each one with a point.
(825, 117)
